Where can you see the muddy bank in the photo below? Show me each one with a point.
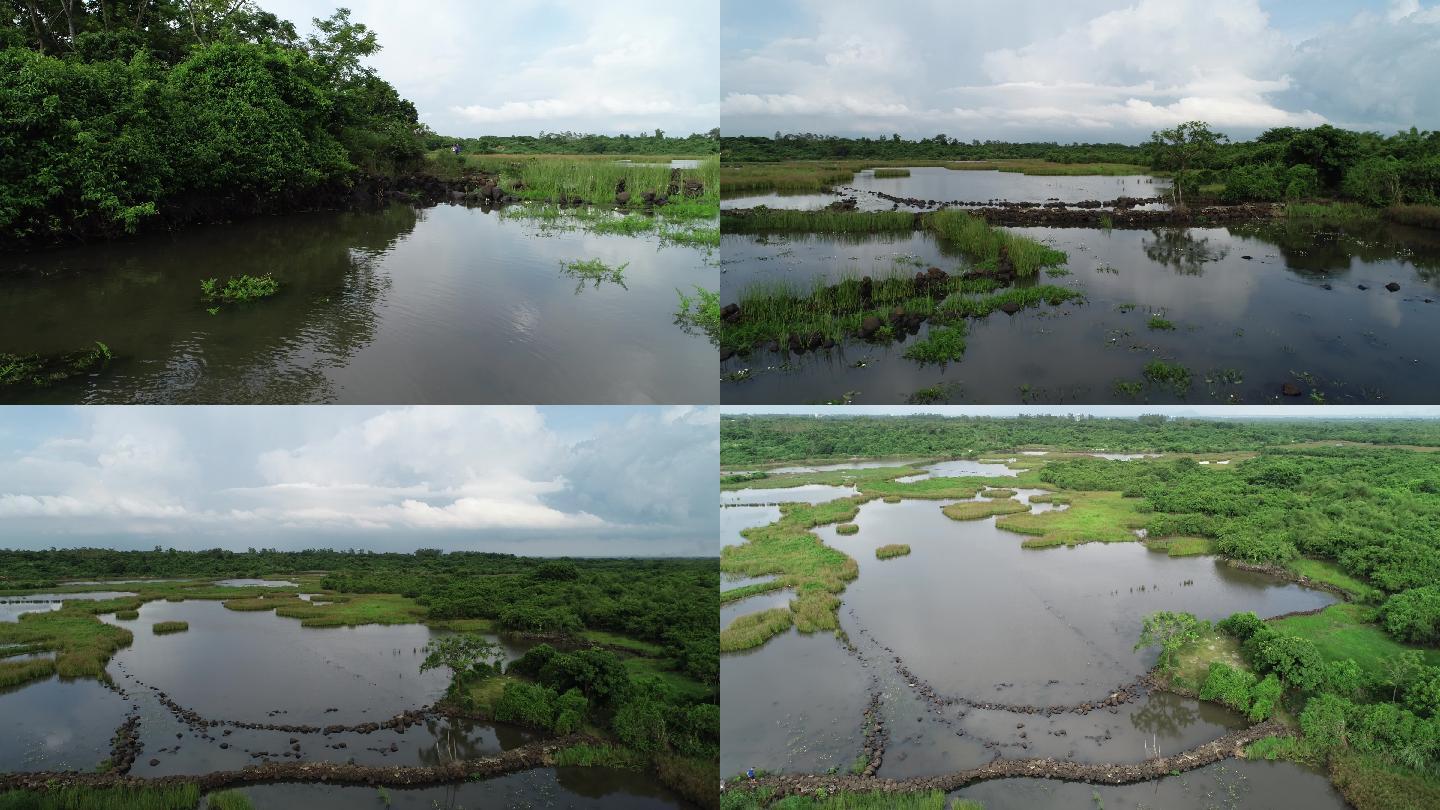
(1230, 745)
(1287, 575)
(534, 755)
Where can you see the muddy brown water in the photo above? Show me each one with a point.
(543, 787)
(1006, 625)
(939, 183)
(440, 305)
(1229, 785)
(1254, 308)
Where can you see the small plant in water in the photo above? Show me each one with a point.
(700, 312)
(1173, 375)
(384, 795)
(940, 392)
(943, 344)
(1159, 323)
(594, 270)
(238, 289)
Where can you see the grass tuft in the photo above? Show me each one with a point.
(891, 550)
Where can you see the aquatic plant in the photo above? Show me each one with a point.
(14, 673)
(939, 392)
(990, 247)
(40, 371)
(81, 642)
(892, 173)
(1159, 323)
(238, 289)
(1416, 216)
(183, 796)
(126, 615)
(594, 270)
(885, 552)
(233, 800)
(941, 344)
(1173, 375)
(791, 220)
(163, 628)
(754, 629)
(976, 510)
(600, 756)
(700, 312)
(847, 528)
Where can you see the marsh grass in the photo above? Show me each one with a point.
(1158, 323)
(1093, 517)
(887, 551)
(1416, 216)
(1035, 166)
(238, 289)
(937, 393)
(847, 528)
(165, 628)
(819, 175)
(941, 344)
(604, 756)
(754, 629)
(747, 591)
(368, 608)
(1331, 574)
(229, 800)
(14, 673)
(1182, 546)
(1331, 214)
(846, 800)
(127, 615)
(882, 173)
(775, 311)
(976, 510)
(263, 602)
(1342, 631)
(594, 178)
(997, 492)
(185, 796)
(787, 220)
(81, 642)
(1170, 375)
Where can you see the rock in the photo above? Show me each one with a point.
(1290, 390)
(154, 762)
(1326, 287)
(622, 198)
(1361, 287)
(1009, 307)
(1393, 287)
(869, 326)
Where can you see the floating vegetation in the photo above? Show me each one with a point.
(892, 173)
(1128, 388)
(700, 313)
(847, 528)
(934, 394)
(1171, 375)
(164, 628)
(40, 371)
(594, 270)
(238, 289)
(885, 552)
(942, 344)
(1158, 323)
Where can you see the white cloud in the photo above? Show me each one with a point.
(473, 475)
(1061, 71)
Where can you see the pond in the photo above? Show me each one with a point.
(448, 304)
(966, 186)
(1256, 314)
(54, 724)
(543, 787)
(979, 619)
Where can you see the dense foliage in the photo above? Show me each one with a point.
(582, 143)
(121, 115)
(763, 439)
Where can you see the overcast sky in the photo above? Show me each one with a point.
(522, 66)
(542, 481)
(1100, 70)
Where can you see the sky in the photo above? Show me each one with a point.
(525, 66)
(1097, 71)
(542, 481)
(1114, 411)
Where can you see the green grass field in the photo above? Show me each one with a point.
(1093, 517)
(1340, 633)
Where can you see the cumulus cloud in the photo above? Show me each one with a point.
(517, 68)
(1093, 71)
(462, 477)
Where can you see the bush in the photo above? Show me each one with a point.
(1296, 660)
(1230, 686)
(640, 724)
(527, 704)
(1241, 625)
(1414, 615)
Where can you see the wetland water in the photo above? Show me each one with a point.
(939, 183)
(971, 615)
(253, 669)
(1256, 311)
(448, 304)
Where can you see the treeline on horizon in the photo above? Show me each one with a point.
(1280, 163)
(759, 439)
(582, 143)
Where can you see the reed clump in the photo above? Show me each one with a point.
(891, 550)
(165, 628)
(754, 629)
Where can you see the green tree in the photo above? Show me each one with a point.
(1183, 148)
(1171, 631)
(463, 654)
